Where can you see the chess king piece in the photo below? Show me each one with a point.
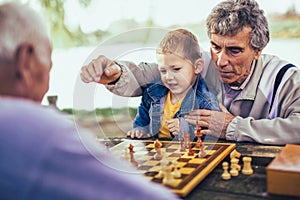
(225, 175)
(247, 169)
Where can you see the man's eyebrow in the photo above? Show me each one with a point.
(229, 47)
(213, 43)
(235, 47)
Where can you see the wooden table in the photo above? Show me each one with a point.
(242, 187)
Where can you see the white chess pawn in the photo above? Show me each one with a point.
(226, 175)
(247, 169)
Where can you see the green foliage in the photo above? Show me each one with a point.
(69, 111)
(285, 29)
(63, 37)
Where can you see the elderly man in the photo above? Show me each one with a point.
(43, 155)
(260, 93)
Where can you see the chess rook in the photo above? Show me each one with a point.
(247, 169)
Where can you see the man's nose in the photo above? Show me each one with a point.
(222, 59)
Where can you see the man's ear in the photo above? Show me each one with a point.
(198, 65)
(24, 58)
(257, 54)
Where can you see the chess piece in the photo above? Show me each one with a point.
(190, 152)
(225, 175)
(247, 169)
(186, 140)
(131, 148)
(235, 154)
(176, 173)
(126, 154)
(163, 163)
(233, 167)
(157, 147)
(168, 176)
(198, 134)
(107, 145)
(132, 159)
(201, 153)
(181, 145)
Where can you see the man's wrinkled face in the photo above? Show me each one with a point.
(233, 56)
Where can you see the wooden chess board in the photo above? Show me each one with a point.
(193, 169)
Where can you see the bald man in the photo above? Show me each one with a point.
(42, 154)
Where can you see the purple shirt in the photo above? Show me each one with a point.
(43, 155)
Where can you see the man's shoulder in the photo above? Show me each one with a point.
(25, 115)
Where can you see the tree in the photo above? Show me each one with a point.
(55, 13)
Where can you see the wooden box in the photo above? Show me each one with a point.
(283, 173)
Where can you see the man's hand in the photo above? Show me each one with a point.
(216, 122)
(100, 70)
(173, 125)
(137, 134)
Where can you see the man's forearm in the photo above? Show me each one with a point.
(133, 77)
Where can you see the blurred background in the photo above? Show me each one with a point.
(79, 27)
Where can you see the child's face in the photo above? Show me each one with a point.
(177, 74)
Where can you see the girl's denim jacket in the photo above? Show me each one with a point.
(150, 111)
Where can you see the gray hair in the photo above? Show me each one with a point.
(230, 16)
(18, 24)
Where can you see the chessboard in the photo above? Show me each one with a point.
(192, 168)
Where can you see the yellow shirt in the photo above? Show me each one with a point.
(169, 111)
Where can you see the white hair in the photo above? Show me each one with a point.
(18, 24)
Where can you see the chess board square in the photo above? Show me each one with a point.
(186, 170)
(151, 162)
(151, 145)
(191, 165)
(187, 156)
(175, 183)
(154, 168)
(170, 150)
(153, 174)
(144, 168)
(183, 159)
(210, 152)
(181, 164)
(197, 160)
(175, 155)
(173, 146)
